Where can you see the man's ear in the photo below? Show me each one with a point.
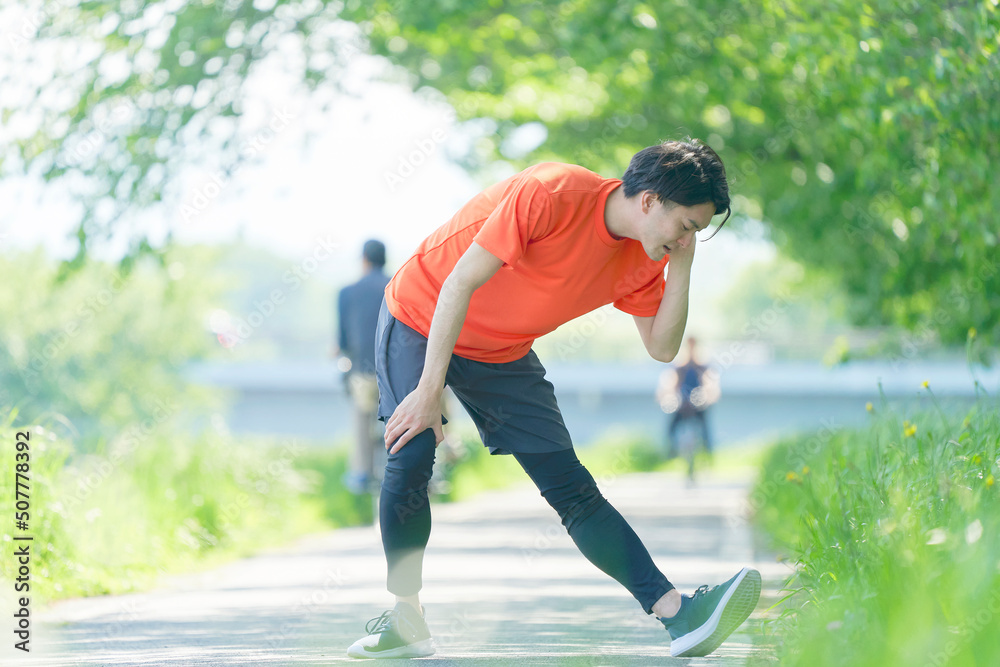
(648, 199)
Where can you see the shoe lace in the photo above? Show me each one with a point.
(702, 590)
(381, 623)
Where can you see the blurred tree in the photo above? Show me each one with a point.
(105, 349)
(775, 297)
(863, 132)
(114, 97)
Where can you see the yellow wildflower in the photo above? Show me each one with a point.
(869, 407)
(805, 470)
(909, 430)
(990, 480)
(972, 332)
(925, 384)
(792, 476)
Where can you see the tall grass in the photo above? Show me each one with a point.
(895, 532)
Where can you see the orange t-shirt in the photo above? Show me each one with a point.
(547, 225)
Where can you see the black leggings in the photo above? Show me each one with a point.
(598, 530)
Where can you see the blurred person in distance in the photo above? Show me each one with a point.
(357, 317)
(686, 390)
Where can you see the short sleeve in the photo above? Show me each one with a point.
(523, 214)
(644, 301)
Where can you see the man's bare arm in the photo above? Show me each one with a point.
(421, 409)
(662, 333)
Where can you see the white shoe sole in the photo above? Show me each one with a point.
(735, 607)
(420, 649)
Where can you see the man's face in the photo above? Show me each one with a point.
(669, 228)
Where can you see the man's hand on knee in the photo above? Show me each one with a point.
(416, 413)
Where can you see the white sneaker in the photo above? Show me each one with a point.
(398, 633)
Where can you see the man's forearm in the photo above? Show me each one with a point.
(449, 316)
(671, 316)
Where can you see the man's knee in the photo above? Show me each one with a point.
(409, 469)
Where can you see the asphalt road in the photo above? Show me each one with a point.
(503, 585)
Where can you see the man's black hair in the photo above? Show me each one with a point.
(374, 252)
(685, 172)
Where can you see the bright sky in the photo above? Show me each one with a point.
(374, 164)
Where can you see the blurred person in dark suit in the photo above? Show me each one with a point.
(357, 316)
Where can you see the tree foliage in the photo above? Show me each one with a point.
(115, 97)
(862, 131)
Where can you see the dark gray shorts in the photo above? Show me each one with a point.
(512, 404)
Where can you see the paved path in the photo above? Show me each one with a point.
(498, 591)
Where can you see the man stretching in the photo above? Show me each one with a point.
(521, 258)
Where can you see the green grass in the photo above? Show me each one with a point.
(895, 533)
(116, 519)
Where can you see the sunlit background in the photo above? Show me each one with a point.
(186, 186)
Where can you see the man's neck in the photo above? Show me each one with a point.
(616, 217)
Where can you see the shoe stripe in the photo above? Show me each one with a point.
(419, 649)
(742, 600)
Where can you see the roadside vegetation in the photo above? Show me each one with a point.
(894, 530)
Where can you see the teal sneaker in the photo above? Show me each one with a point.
(706, 618)
(400, 632)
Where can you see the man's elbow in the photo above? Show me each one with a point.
(664, 356)
(457, 286)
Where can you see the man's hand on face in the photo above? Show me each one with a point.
(416, 413)
(680, 256)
